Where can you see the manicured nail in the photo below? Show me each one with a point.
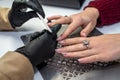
(64, 54)
(61, 42)
(59, 38)
(49, 24)
(84, 34)
(58, 50)
(79, 60)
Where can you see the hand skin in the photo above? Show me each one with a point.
(87, 19)
(102, 48)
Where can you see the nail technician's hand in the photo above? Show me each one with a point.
(40, 48)
(41, 45)
(18, 14)
(87, 19)
(102, 48)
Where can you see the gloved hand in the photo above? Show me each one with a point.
(18, 14)
(40, 47)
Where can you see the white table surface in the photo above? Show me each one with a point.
(11, 40)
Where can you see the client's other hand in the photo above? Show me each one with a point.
(102, 48)
(87, 19)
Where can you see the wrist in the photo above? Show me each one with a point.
(22, 51)
(92, 13)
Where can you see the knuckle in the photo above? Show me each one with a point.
(105, 58)
(96, 58)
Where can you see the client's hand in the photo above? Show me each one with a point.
(41, 47)
(86, 19)
(18, 14)
(102, 48)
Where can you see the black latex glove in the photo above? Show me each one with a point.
(18, 15)
(41, 46)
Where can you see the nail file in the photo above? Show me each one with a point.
(44, 23)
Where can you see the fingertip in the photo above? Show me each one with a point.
(59, 38)
(83, 34)
(49, 18)
(86, 31)
(61, 42)
(49, 24)
(58, 50)
(63, 36)
(66, 55)
(83, 61)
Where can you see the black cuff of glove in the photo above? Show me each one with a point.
(11, 20)
(22, 51)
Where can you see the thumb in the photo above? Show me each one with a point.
(73, 26)
(87, 30)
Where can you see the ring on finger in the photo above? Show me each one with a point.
(86, 43)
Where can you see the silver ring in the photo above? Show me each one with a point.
(86, 43)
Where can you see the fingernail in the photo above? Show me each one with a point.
(49, 24)
(59, 38)
(84, 34)
(61, 42)
(64, 54)
(79, 60)
(58, 50)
